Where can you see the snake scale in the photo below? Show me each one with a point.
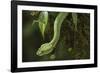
(47, 48)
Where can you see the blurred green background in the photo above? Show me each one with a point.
(72, 45)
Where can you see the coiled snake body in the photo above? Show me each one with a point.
(47, 48)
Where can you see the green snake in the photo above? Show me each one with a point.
(47, 48)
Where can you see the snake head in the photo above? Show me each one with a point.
(44, 49)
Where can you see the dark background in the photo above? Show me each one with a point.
(72, 45)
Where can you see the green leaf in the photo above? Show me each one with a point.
(43, 21)
(69, 49)
(74, 17)
(35, 21)
(33, 13)
(52, 56)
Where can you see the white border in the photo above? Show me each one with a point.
(53, 63)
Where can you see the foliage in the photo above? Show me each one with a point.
(42, 21)
(74, 37)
